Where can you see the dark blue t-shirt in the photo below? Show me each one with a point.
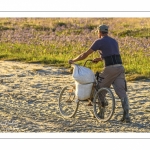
(107, 45)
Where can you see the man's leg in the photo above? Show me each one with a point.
(120, 88)
(107, 77)
(125, 106)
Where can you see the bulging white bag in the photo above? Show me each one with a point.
(83, 91)
(82, 74)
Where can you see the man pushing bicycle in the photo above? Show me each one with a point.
(114, 72)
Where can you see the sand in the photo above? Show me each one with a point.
(29, 103)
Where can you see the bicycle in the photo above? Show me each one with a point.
(102, 99)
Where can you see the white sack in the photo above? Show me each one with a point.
(83, 91)
(82, 74)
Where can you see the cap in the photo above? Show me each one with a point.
(103, 28)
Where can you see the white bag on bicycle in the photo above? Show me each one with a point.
(83, 91)
(82, 74)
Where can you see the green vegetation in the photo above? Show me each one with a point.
(54, 41)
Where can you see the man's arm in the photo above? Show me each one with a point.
(81, 56)
(96, 60)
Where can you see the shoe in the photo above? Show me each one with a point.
(125, 106)
(101, 113)
(126, 120)
(105, 103)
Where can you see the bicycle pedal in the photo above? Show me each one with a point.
(68, 101)
(89, 104)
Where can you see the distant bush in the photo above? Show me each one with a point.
(143, 32)
(6, 28)
(36, 27)
(59, 24)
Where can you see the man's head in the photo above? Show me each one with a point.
(102, 30)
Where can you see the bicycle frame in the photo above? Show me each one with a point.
(97, 99)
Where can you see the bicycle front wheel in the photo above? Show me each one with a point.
(104, 104)
(67, 103)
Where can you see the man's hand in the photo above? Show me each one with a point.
(96, 60)
(70, 61)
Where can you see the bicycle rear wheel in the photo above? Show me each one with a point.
(104, 104)
(67, 103)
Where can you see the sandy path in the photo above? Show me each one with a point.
(28, 103)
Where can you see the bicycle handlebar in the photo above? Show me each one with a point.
(97, 73)
(87, 61)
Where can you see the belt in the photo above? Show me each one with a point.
(112, 60)
(116, 65)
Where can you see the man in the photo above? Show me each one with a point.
(113, 72)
